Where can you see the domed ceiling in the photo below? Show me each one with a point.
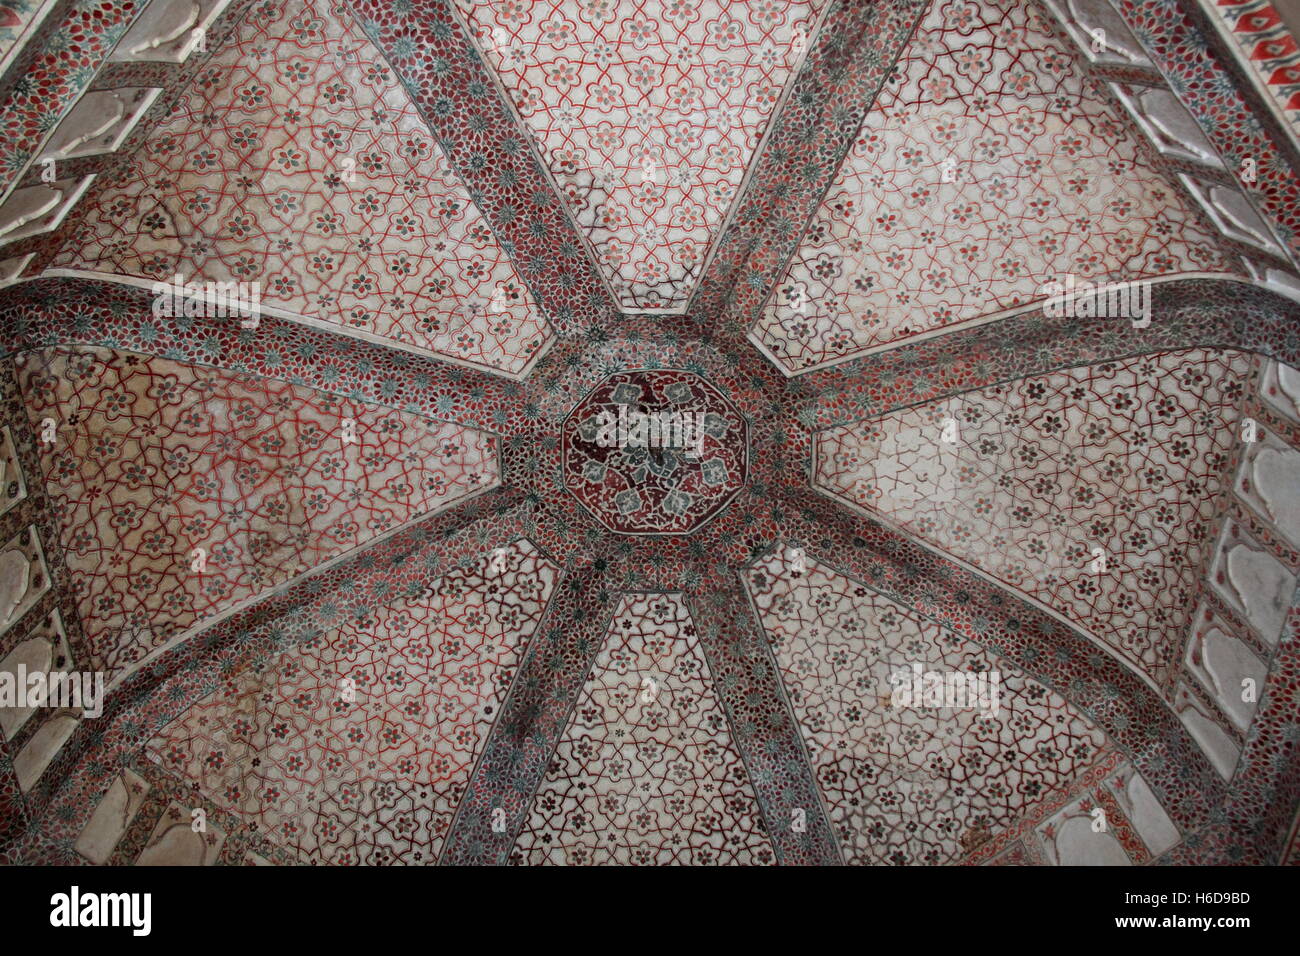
(686, 432)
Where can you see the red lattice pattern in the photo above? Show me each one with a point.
(907, 785)
(297, 160)
(986, 169)
(647, 773)
(153, 459)
(374, 780)
(1128, 457)
(647, 116)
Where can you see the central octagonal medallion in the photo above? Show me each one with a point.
(654, 452)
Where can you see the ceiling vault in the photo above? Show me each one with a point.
(574, 566)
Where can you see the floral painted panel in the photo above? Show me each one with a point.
(353, 747)
(296, 160)
(647, 773)
(647, 116)
(150, 460)
(1266, 45)
(987, 168)
(1092, 490)
(637, 476)
(910, 785)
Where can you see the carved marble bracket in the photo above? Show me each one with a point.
(109, 822)
(1166, 122)
(99, 123)
(174, 841)
(11, 270)
(1222, 749)
(1252, 582)
(1110, 48)
(45, 651)
(1279, 387)
(1100, 33)
(1275, 280)
(168, 31)
(24, 578)
(1268, 481)
(39, 752)
(1084, 834)
(1225, 667)
(1233, 214)
(33, 210)
(1226, 659)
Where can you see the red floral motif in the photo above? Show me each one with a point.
(904, 784)
(986, 169)
(654, 490)
(353, 747)
(647, 120)
(297, 161)
(154, 459)
(1093, 491)
(647, 773)
(1266, 45)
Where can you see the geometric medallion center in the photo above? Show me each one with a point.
(654, 452)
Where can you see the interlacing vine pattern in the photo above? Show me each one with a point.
(182, 491)
(910, 785)
(987, 168)
(341, 205)
(646, 773)
(646, 121)
(355, 746)
(1093, 490)
(505, 536)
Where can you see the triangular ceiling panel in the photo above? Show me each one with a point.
(370, 772)
(908, 784)
(154, 459)
(647, 117)
(647, 773)
(296, 159)
(1090, 490)
(988, 168)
